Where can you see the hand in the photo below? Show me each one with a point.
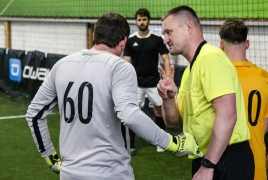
(167, 88)
(188, 145)
(204, 174)
(184, 144)
(56, 167)
(54, 162)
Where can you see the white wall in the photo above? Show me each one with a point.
(52, 37)
(258, 37)
(68, 37)
(2, 34)
(258, 50)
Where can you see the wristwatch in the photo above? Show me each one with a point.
(207, 163)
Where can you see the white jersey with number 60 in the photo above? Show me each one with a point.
(95, 91)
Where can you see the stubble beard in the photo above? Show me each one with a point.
(174, 52)
(143, 29)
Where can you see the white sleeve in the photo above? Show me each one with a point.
(40, 107)
(124, 92)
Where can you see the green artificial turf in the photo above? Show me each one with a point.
(20, 159)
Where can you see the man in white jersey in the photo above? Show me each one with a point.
(95, 90)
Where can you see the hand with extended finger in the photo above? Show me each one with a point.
(167, 88)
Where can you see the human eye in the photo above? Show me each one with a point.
(167, 32)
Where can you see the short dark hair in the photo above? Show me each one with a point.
(143, 12)
(110, 29)
(179, 9)
(187, 12)
(234, 31)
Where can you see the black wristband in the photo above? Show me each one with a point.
(207, 163)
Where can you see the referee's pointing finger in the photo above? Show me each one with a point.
(162, 72)
(171, 75)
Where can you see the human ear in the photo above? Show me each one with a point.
(222, 45)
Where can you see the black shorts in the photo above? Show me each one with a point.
(236, 163)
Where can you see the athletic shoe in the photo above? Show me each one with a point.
(159, 149)
(132, 151)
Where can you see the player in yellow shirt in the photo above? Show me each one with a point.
(253, 79)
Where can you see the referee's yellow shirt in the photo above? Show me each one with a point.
(212, 75)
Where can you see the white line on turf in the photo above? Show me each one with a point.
(6, 7)
(14, 117)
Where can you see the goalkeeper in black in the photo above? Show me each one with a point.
(95, 90)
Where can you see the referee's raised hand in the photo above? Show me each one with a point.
(166, 87)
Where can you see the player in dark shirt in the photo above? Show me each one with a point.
(142, 50)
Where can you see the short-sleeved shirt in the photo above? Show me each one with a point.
(212, 75)
(255, 90)
(144, 53)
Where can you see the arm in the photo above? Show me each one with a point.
(170, 113)
(40, 107)
(265, 119)
(225, 108)
(166, 61)
(128, 59)
(265, 125)
(167, 89)
(124, 92)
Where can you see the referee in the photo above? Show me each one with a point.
(210, 101)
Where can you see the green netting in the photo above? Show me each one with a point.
(207, 9)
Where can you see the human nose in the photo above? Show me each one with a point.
(166, 40)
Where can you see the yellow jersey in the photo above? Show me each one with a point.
(255, 90)
(212, 75)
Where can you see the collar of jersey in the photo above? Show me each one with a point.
(87, 51)
(149, 34)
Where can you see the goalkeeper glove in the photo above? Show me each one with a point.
(184, 144)
(54, 162)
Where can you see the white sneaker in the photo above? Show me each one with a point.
(159, 149)
(132, 151)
